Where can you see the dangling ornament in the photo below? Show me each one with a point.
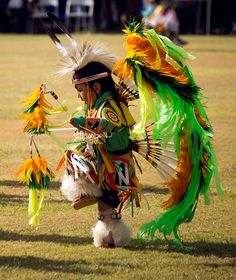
(37, 175)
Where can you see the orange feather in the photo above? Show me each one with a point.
(179, 184)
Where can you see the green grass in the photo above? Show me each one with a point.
(61, 247)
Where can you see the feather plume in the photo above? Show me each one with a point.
(36, 112)
(83, 54)
(38, 176)
(75, 56)
(170, 99)
(55, 39)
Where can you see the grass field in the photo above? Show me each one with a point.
(61, 247)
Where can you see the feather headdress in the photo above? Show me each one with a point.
(77, 55)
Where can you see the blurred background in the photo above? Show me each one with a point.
(178, 17)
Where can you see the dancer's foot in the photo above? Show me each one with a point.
(82, 201)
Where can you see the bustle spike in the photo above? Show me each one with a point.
(126, 92)
(164, 160)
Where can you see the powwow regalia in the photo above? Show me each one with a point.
(173, 134)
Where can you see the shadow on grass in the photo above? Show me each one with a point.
(55, 238)
(9, 183)
(155, 189)
(221, 250)
(49, 265)
(201, 248)
(14, 183)
(63, 266)
(10, 199)
(56, 186)
(217, 265)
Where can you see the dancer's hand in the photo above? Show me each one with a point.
(77, 121)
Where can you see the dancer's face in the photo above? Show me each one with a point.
(82, 90)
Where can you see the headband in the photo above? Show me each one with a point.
(90, 78)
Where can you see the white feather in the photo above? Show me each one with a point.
(61, 49)
(72, 188)
(76, 56)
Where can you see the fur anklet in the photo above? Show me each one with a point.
(114, 233)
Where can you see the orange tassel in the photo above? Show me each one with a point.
(179, 184)
(61, 162)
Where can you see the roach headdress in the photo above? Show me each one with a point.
(77, 55)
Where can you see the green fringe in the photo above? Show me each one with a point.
(178, 115)
(174, 113)
(168, 222)
(44, 183)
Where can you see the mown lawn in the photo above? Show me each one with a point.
(61, 247)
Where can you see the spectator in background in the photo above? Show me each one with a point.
(96, 15)
(121, 6)
(149, 7)
(16, 16)
(3, 15)
(50, 5)
(39, 8)
(111, 15)
(62, 9)
(165, 21)
(134, 8)
(187, 15)
(103, 15)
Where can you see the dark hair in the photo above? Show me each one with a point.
(106, 83)
(94, 68)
